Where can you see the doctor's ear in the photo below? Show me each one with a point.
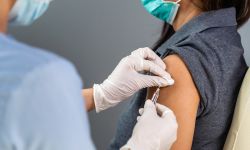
(5, 7)
(12, 2)
(7, 4)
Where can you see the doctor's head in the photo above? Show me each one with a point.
(22, 12)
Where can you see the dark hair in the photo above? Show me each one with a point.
(242, 15)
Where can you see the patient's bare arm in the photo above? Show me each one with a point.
(89, 98)
(182, 98)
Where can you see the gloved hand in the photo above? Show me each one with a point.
(156, 129)
(127, 78)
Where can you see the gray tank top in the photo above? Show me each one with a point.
(211, 48)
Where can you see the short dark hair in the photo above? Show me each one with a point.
(242, 15)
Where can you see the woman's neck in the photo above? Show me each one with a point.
(5, 7)
(187, 11)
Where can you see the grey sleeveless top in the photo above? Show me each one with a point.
(211, 48)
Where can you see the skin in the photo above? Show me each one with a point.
(5, 7)
(89, 98)
(183, 97)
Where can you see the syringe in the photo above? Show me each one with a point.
(156, 95)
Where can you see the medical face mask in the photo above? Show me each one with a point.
(25, 12)
(164, 10)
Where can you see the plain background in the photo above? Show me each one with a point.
(95, 35)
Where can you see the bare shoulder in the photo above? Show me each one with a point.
(184, 86)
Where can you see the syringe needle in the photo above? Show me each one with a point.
(156, 95)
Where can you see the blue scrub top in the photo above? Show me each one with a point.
(41, 106)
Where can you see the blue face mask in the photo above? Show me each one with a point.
(25, 12)
(164, 10)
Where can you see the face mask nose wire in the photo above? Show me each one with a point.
(173, 2)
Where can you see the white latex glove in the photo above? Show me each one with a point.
(126, 79)
(156, 129)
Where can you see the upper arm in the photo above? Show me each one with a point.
(183, 98)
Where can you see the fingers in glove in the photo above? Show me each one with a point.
(149, 107)
(149, 54)
(155, 81)
(141, 110)
(156, 70)
(138, 118)
(166, 113)
(140, 65)
(162, 110)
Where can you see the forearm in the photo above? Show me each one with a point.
(88, 98)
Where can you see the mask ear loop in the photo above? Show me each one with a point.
(178, 1)
(44, 1)
(171, 1)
